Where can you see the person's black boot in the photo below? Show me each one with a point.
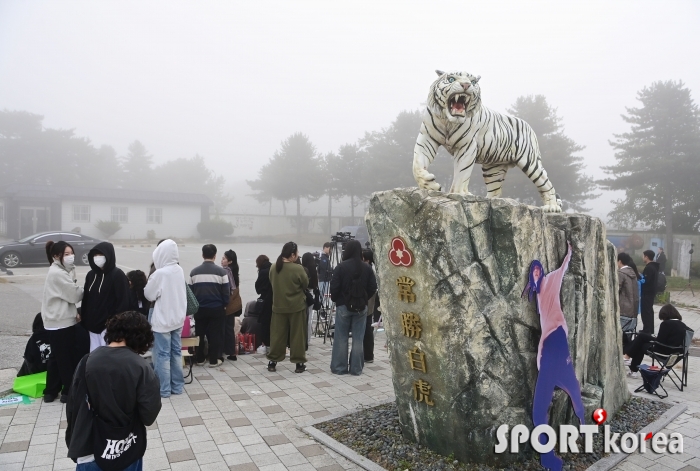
(232, 357)
(300, 368)
(272, 366)
(49, 398)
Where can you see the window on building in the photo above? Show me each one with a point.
(81, 213)
(120, 214)
(155, 216)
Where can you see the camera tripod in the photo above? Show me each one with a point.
(325, 321)
(689, 286)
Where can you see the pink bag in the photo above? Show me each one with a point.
(186, 330)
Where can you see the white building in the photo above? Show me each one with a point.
(28, 209)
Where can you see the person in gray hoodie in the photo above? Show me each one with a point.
(167, 290)
(628, 276)
(60, 316)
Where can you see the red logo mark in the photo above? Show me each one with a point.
(648, 437)
(400, 255)
(599, 416)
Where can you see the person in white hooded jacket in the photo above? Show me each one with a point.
(166, 289)
(60, 316)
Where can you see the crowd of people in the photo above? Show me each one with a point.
(93, 338)
(637, 292)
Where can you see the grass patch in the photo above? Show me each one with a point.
(676, 283)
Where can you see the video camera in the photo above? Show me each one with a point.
(342, 237)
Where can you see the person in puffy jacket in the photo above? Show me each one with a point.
(106, 292)
(628, 290)
(167, 291)
(60, 316)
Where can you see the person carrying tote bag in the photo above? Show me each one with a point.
(114, 395)
(234, 308)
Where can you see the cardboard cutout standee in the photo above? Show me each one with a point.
(553, 359)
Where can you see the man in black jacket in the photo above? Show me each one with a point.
(650, 273)
(352, 273)
(661, 260)
(106, 292)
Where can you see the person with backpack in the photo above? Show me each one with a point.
(289, 283)
(628, 290)
(114, 396)
(649, 290)
(352, 285)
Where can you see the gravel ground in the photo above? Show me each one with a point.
(375, 434)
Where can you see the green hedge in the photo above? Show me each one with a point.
(214, 229)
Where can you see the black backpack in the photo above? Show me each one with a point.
(660, 282)
(357, 296)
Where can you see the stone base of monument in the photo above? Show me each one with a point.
(463, 342)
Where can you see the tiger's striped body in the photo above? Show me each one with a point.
(471, 133)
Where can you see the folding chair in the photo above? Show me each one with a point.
(652, 379)
(187, 357)
(679, 353)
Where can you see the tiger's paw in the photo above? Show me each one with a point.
(426, 181)
(551, 208)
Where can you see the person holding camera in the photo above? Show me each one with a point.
(352, 285)
(325, 271)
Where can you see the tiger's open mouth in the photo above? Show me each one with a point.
(457, 104)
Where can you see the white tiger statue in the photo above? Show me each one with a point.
(470, 132)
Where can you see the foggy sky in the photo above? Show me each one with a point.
(231, 79)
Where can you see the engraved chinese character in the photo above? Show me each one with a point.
(421, 392)
(405, 289)
(417, 359)
(410, 325)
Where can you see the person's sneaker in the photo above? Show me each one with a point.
(272, 366)
(49, 398)
(200, 363)
(64, 398)
(232, 357)
(219, 362)
(627, 361)
(300, 368)
(369, 361)
(633, 374)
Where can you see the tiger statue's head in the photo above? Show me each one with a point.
(455, 95)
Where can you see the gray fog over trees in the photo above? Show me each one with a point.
(658, 162)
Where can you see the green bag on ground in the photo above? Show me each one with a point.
(30, 385)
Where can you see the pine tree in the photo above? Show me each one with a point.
(658, 162)
(137, 167)
(563, 166)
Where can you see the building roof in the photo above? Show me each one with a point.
(56, 193)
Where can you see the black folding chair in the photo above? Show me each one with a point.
(678, 353)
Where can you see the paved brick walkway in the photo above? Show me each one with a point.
(241, 417)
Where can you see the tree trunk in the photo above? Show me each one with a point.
(352, 208)
(298, 216)
(330, 217)
(668, 244)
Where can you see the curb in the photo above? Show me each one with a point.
(666, 418)
(338, 447)
(604, 464)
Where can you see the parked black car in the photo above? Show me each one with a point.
(359, 233)
(32, 250)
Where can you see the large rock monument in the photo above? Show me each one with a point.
(463, 342)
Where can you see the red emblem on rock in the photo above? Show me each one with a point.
(400, 255)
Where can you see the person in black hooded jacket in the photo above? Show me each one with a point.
(264, 288)
(106, 292)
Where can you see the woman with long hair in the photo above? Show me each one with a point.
(60, 316)
(289, 283)
(137, 300)
(264, 290)
(309, 262)
(352, 285)
(235, 306)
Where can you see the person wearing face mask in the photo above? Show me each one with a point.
(60, 316)
(106, 292)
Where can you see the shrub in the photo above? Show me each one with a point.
(214, 228)
(151, 234)
(108, 228)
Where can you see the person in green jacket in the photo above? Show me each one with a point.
(289, 284)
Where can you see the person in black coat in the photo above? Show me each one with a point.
(650, 274)
(264, 288)
(661, 260)
(671, 332)
(137, 300)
